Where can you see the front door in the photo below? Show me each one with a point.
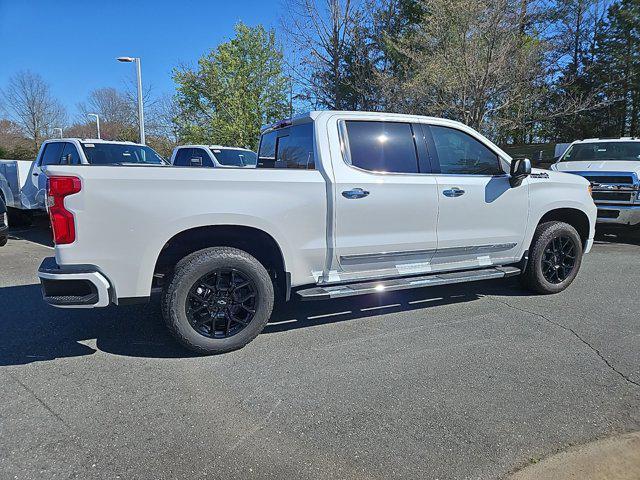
(482, 218)
(386, 204)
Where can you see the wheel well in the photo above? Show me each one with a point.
(255, 242)
(576, 218)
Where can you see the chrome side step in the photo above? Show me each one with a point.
(364, 288)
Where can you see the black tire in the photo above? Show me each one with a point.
(189, 272)
(3, 240)
(534, 277)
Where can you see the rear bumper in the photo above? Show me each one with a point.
(73, 286)
(622, 215)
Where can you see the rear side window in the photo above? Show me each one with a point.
(192, 157)
(381, 146)
(52, 154)
(70, 155)
(182, 157)
(460, 153)
(200, 157)
(290, 147)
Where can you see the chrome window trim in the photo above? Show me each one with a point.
(346, 152)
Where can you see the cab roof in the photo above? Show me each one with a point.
(315, 115)
(216, 147)
(92, 140)
(608, 140)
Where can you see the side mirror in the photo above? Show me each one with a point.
(520, 169)
(65, 159)
(196, 162)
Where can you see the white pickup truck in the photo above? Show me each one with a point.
(340, 204)
(23, 184)
(613, 168)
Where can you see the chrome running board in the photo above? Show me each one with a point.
(364, 288)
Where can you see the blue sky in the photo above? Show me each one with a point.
(73, 44)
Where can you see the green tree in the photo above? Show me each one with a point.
(236, 88)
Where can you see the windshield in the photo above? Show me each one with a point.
(235, 157)
(584, 152)
(119, 154)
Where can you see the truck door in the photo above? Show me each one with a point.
(482, 218)
(385, 200)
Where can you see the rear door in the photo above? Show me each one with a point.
(386, 201)
(482, 218)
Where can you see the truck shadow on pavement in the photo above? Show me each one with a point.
(39, 232)
(34, 332)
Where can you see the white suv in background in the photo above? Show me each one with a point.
(213, 156)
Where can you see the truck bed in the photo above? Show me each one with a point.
(124, 216)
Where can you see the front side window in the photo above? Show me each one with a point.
(460, 153)
(235, 157)
(597, 151)
(381, 146)
(52, 154)
(289, 147)
(120, 154)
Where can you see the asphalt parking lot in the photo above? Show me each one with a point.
(463, 382)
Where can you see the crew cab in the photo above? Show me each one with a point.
(23, 184)
(213, 156)
(339, 204)
(613, 168)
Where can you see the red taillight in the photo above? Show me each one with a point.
(62, 221)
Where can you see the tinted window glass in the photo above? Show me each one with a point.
(625, 151)
(120, 154)
(267, 151)
(200, 153)
(182, 157)
(235, 157)
(70, 155)
(382, 146)
(460, 153)
(290, 147)
(52, 154)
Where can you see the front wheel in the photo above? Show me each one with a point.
(217, 300)
(555, 257)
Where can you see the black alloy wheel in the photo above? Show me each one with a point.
(221, 303)
(559, 259)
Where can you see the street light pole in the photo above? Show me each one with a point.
(97, 122)
(137, 61)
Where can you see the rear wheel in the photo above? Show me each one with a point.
(218, 300)
(555, 257)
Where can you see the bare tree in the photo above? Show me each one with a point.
(28, 102)
(112, 106)
(321, 32)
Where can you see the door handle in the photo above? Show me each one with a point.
(35, 174)
(355, 193)
(453, 192)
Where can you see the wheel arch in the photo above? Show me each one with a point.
(252, 240)
(574, 217)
